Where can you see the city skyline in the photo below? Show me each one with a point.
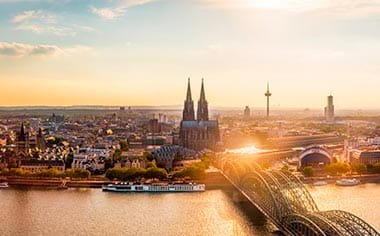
(189, 117)
(126, 52)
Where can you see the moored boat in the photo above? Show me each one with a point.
(319, 183)
(154, 187)
(347, 182)
(4, 185)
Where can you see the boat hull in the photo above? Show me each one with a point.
(154, 188)
(347, 182)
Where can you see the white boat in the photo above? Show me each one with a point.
(319, 183)
(347, 182)
(4, 185)
(154, 187)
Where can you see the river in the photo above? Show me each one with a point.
(93, 212)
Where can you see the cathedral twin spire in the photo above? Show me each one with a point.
(188, 111)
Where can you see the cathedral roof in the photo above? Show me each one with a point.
(194, 123)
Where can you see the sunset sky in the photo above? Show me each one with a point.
(141, 52)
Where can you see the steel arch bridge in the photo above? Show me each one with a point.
(284, 199)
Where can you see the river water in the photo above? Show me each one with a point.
(93, 212)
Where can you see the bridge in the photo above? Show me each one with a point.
(286, 202)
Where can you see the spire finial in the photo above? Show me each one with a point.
(188, 110)
(203, 95)
(188, 95)
(202, 114)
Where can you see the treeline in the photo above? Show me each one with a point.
(343, 168)
(47, 173)
(133, 173)
(195, 171)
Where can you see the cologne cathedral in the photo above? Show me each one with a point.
(198, 133)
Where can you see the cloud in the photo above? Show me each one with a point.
(110, 13)
(20, 50)
(42, 22)
(24, 16)
(44, 16)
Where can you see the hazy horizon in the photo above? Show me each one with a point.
(179, 107)
(141, 52)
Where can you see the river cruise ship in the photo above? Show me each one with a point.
(347, 182)
(154, 187)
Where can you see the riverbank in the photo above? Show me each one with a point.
(373, 178)
(54, 182)
(213, 180)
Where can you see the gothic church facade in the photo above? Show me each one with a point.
(198, 133)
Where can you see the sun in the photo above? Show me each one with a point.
(270, 4)
(286, 4)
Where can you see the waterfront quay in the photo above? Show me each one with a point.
(213, 180)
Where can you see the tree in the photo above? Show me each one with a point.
(123, 145)
(194, 171)
(12, 164)
(376, 168)
(125, 173)
(156, 173)
(161, 164)
(148, 155)
(5, 171)
(206, 161)
(150, 165)
(108, 163)
(134, 173)
(359, 168)
(69, 160)
(78, 173)
(308, 171)
(337, 168)
(49, 173)
(117, 155)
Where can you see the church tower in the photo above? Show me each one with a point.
(40, 140)
(202, 114)
(188, 110)
(22, 147)
(198, 134)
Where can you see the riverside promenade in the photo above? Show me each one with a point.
(213, 180)
(55, 182)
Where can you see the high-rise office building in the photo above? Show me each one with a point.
(247, 112)
(329, 109)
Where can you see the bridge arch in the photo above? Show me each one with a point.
(283, 198)
(296, 193)
(302, 225)
(256, 187)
